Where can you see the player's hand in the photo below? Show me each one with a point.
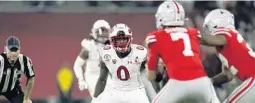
(27, 100)
(82, 85)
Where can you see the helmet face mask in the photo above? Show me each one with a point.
(121, 43)
(121, 37)
(102, 34)
(100, 31)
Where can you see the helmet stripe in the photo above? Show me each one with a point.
(178, 10)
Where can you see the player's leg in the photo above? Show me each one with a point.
(91, 80)
(203, 91)
(149, 89)
(138, 96)
(102, 98)
(16, 95)
(243, 93)
(109, 96)
(172, 92)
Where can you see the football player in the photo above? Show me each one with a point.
(125, 62)
(178, 46)
(221, 33)
(89, 56)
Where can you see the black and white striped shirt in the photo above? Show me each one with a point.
(10, 74)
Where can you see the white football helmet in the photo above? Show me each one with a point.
(100, 30)
(170, 13)
(218, 18)
(121, 37)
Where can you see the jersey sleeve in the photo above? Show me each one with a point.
(150, 39)
(151, 42)
(225, 32)
(85, 44)
(194, 32)
(28, 68)
(143, 52)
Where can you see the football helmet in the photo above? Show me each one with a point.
(218, 18)
(170, 13)
(100, 31)
(121, 37)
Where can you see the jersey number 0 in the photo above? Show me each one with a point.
(123, 73)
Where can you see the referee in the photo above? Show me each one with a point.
(12, 66)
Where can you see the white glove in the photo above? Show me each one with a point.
(82, 85)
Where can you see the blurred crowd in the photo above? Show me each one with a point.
(196, 11)
(99, 3)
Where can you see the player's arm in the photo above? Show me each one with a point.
(217, 69)
(79, 62)
(213, 40)
(152, 72)
(149, 87)
(101, 82)
(158, 77)
(30, 74)
(153, 57)
(208, 49)
(223, 77)
(78, 68)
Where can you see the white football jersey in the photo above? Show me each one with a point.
(125, 72)
(92, 63)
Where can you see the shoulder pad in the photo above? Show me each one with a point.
(86, 44)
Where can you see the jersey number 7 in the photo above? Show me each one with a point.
(186, 41)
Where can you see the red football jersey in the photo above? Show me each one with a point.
(179, 49)
(238, 53)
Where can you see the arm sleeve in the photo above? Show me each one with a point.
(152, 52)
(225, 32)
(86, 44)
(28, 68)
(79, 62)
